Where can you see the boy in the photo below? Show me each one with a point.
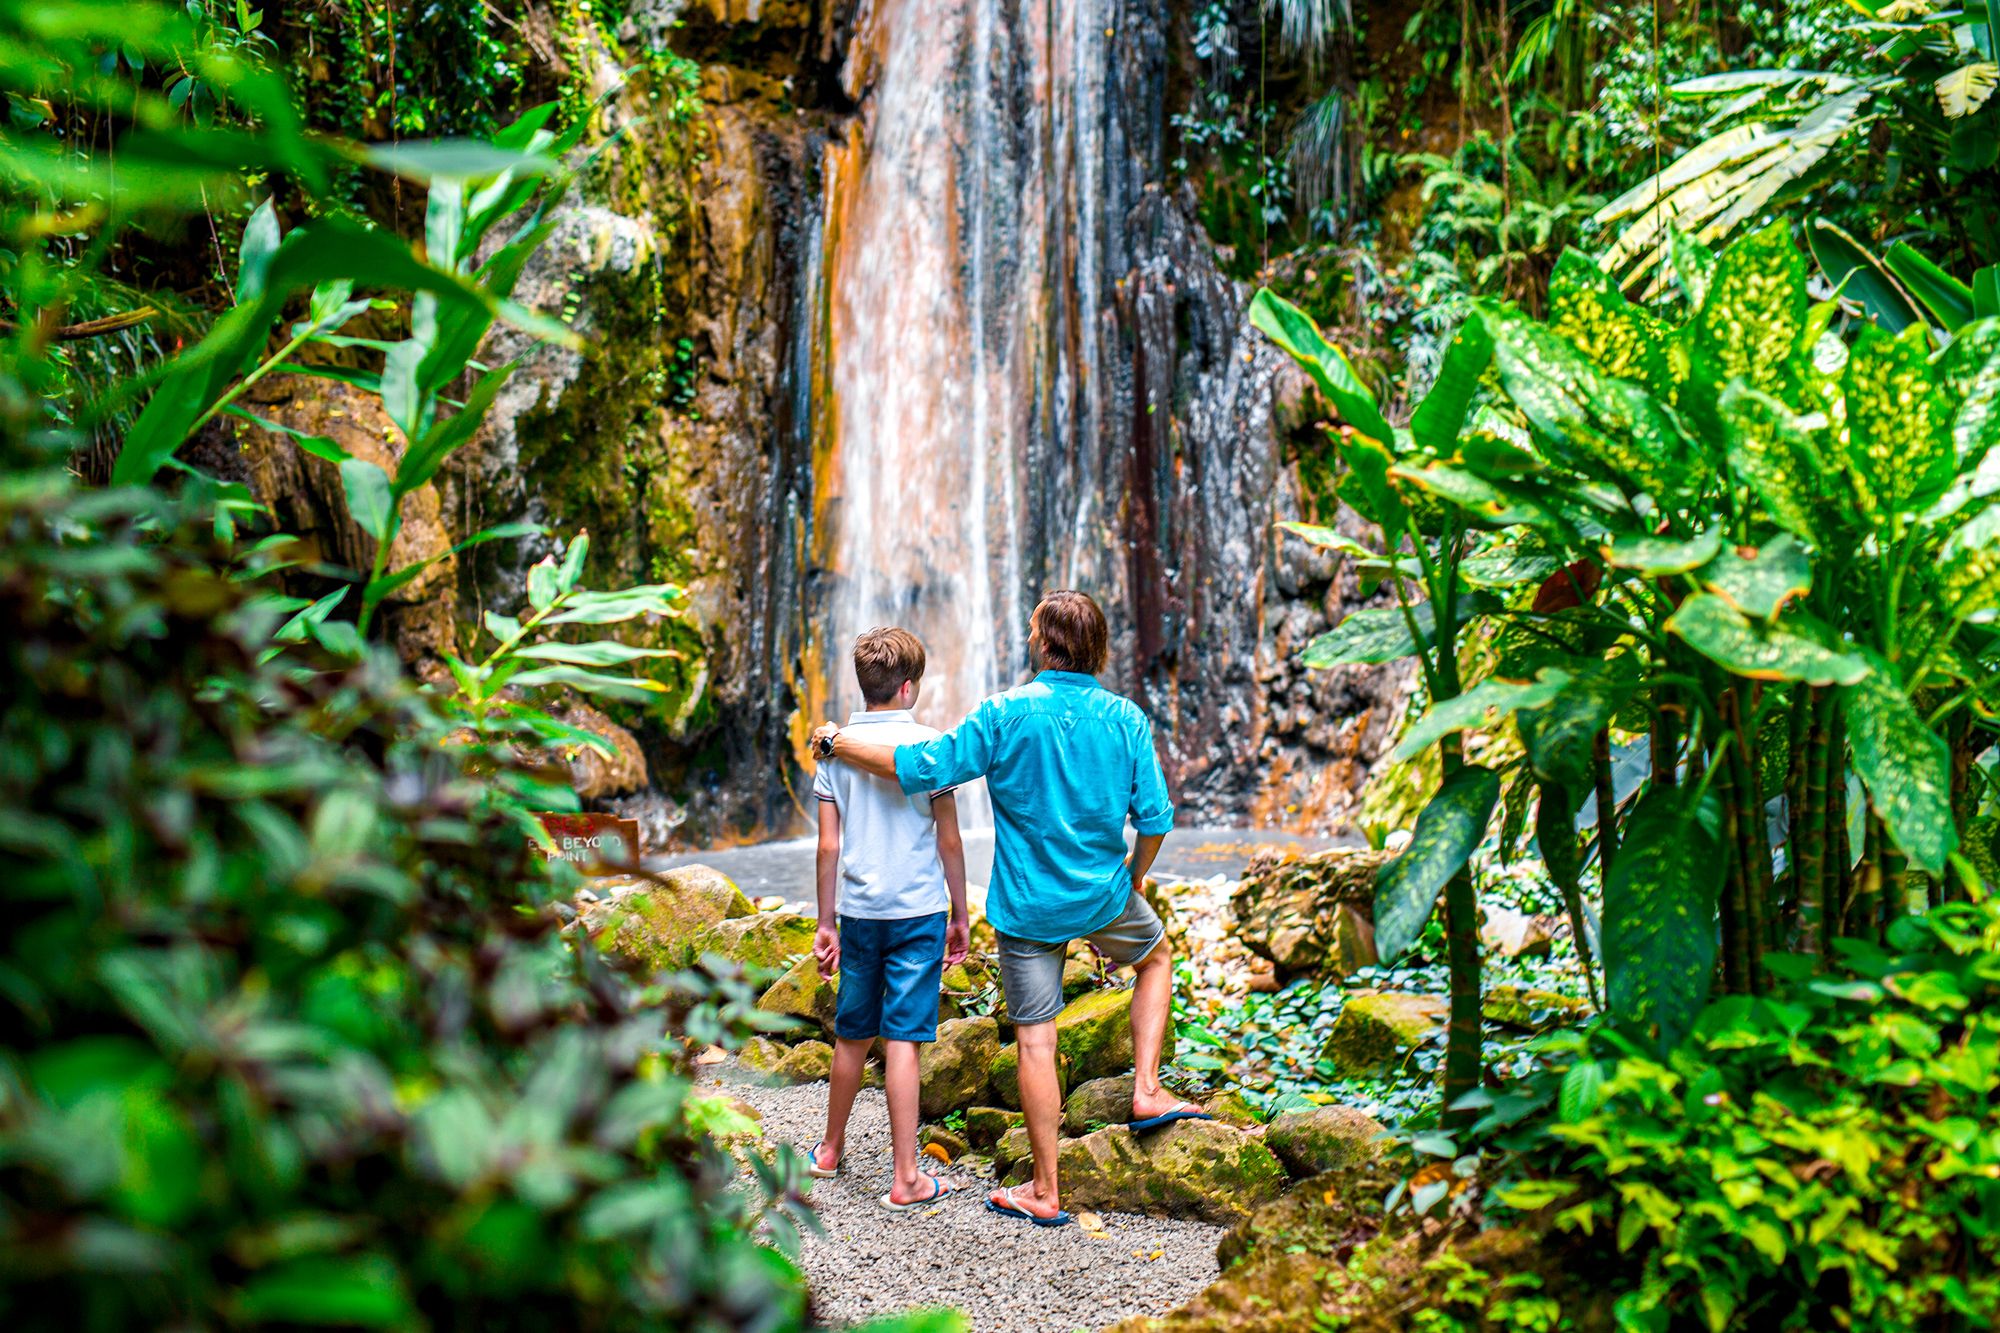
(889, 864)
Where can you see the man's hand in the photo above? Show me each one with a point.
(822, 740)
(826, 949)
(957, 941)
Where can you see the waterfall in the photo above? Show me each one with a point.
(962, 266)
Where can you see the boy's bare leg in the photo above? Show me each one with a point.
(1041, 1103)
(1152, 1010)
(899, 1071)
(842, 1085)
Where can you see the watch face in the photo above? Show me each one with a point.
(824, 747)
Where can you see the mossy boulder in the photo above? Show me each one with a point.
(1377, 1032)
(1006, 1079)
(1010, 1150)
(807, 1062)
(1098, 1103)
(657, 925)
(1326, 1138)
(1311, 915)
(803, 994)
(1094, 1032)
(952, 1145)
(1079, 977)
(985, 1125)
(1231, 1108)
(770, 940)
(1532, 1010)
(1325, 1213)
(953, 1071)
(1196, 1168)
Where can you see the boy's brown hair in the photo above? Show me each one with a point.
(884, 659)
(1071, 631)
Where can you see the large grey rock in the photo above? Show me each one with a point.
(1310, 915)
(1098, 1103)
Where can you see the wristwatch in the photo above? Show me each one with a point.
(823, 747)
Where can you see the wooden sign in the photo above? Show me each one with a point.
(587, 840)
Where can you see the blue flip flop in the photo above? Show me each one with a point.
(1192, 1112)
(1061, 1219)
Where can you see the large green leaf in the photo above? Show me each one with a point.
(1587, 419)
(1292, 329)
(1382, 634)
(422, 461)
(1469, 710)
(1656, 556)
(1587, 309)
(1760, 584)
(1718, 631)
(1772, 451)
(1749, 326)
(1860, 276)
(1906, 766)
(1659, 914)
(370, 501)
(1899, 455)
(1441, 416)
(1948, 299)
(1560, 736)
(1446, 833)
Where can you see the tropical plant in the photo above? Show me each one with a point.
(1819, 1158)
(1422, 544)
(1760, 548)
(1902, 287)
(1924, 75)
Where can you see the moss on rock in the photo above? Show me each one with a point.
(953, 1070)
(1196, 1168)
(1325, 1138)
(1532, 1010)
(1376, 1032)
(1098, 1103)
(803, 994)
(770, 940)
(985, 1125)
(656, 925)
(1006, 1082)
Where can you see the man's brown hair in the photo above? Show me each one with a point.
(884, 659)
(1071, 631)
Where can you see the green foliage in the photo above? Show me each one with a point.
(287, 1036)
(1822, 1157)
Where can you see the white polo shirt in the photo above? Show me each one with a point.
(889, 867)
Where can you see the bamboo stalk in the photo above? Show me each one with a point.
(1809, 827)
(1752, 844)
(1732, 906)
(1799, 724)
(1838, 860)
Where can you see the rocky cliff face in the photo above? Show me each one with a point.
(1149, 441)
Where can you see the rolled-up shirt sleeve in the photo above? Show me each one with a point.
(1152, 810)
(950, 760)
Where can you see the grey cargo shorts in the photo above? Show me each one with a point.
(1031, 970)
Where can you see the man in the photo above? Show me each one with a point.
(1066, 763)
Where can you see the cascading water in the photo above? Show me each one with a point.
(962, 275)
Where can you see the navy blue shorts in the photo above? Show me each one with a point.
(889, 974)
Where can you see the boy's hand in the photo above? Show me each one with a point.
(957, 941)
(826, 950)
(822, 740)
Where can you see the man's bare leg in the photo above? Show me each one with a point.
(1152, 1010)
(842, 1085)
(899, 1071)
(1041, 1103)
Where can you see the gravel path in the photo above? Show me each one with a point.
(1009, 1277)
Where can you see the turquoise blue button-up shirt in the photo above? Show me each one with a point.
(1066, 762)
